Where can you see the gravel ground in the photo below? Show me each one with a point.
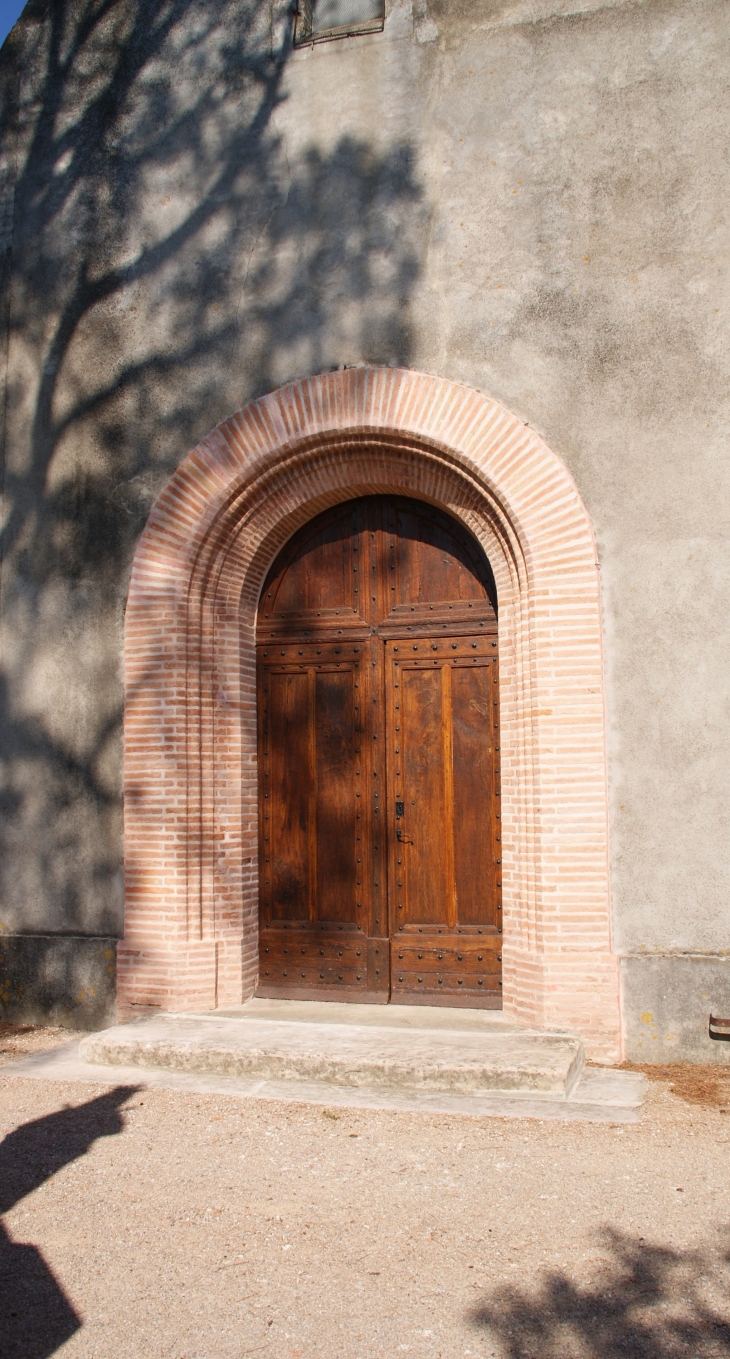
(155, 1223)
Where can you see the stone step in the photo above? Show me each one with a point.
(403, 1048)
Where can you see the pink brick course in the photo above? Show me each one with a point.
(191, 822)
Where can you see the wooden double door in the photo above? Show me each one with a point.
(378, 700)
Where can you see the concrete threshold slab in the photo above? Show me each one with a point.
(401, 1058)
(373, 1016)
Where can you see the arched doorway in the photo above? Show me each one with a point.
(378, 695)
(191, 777)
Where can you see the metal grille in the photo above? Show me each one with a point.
(318, 20)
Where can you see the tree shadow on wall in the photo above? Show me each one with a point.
(37, 1317)
(650, 1303)
(172, 246)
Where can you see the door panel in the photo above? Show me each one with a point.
(426, 888)
(436, 575)
(316, 585)
(334, 739)
(320, 855)
(443, 720)
(433, 565)
(287, 813)
(378, 761)
(475, 731)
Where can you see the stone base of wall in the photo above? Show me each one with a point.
(69, 981)
(667, 1000)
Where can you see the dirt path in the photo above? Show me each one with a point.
(155, 1223)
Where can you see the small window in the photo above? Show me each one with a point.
(320, 20)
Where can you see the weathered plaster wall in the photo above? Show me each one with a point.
(526, 196)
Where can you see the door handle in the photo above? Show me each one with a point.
(402, 838)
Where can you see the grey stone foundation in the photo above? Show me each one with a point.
(667, 1000)
(64, 980)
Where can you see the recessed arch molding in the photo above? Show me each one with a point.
(191, 892)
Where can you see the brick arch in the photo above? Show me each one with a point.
(191, 909)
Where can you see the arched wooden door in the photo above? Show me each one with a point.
(378, 698)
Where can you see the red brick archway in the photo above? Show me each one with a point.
(190, 720)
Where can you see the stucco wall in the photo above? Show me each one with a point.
(527, 197)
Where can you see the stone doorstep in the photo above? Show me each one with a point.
(602, 1095)
(409, 1052)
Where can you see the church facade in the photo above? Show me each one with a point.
(364, 578)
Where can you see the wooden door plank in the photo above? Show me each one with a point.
(449, 830)
(375, 768)
(337, 774)
(426, 887)
(287, 798)
(476, 793)
(312, 802)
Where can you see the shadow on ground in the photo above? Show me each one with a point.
(650, 1302)
(36, 1317)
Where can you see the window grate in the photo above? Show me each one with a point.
(321, 20)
